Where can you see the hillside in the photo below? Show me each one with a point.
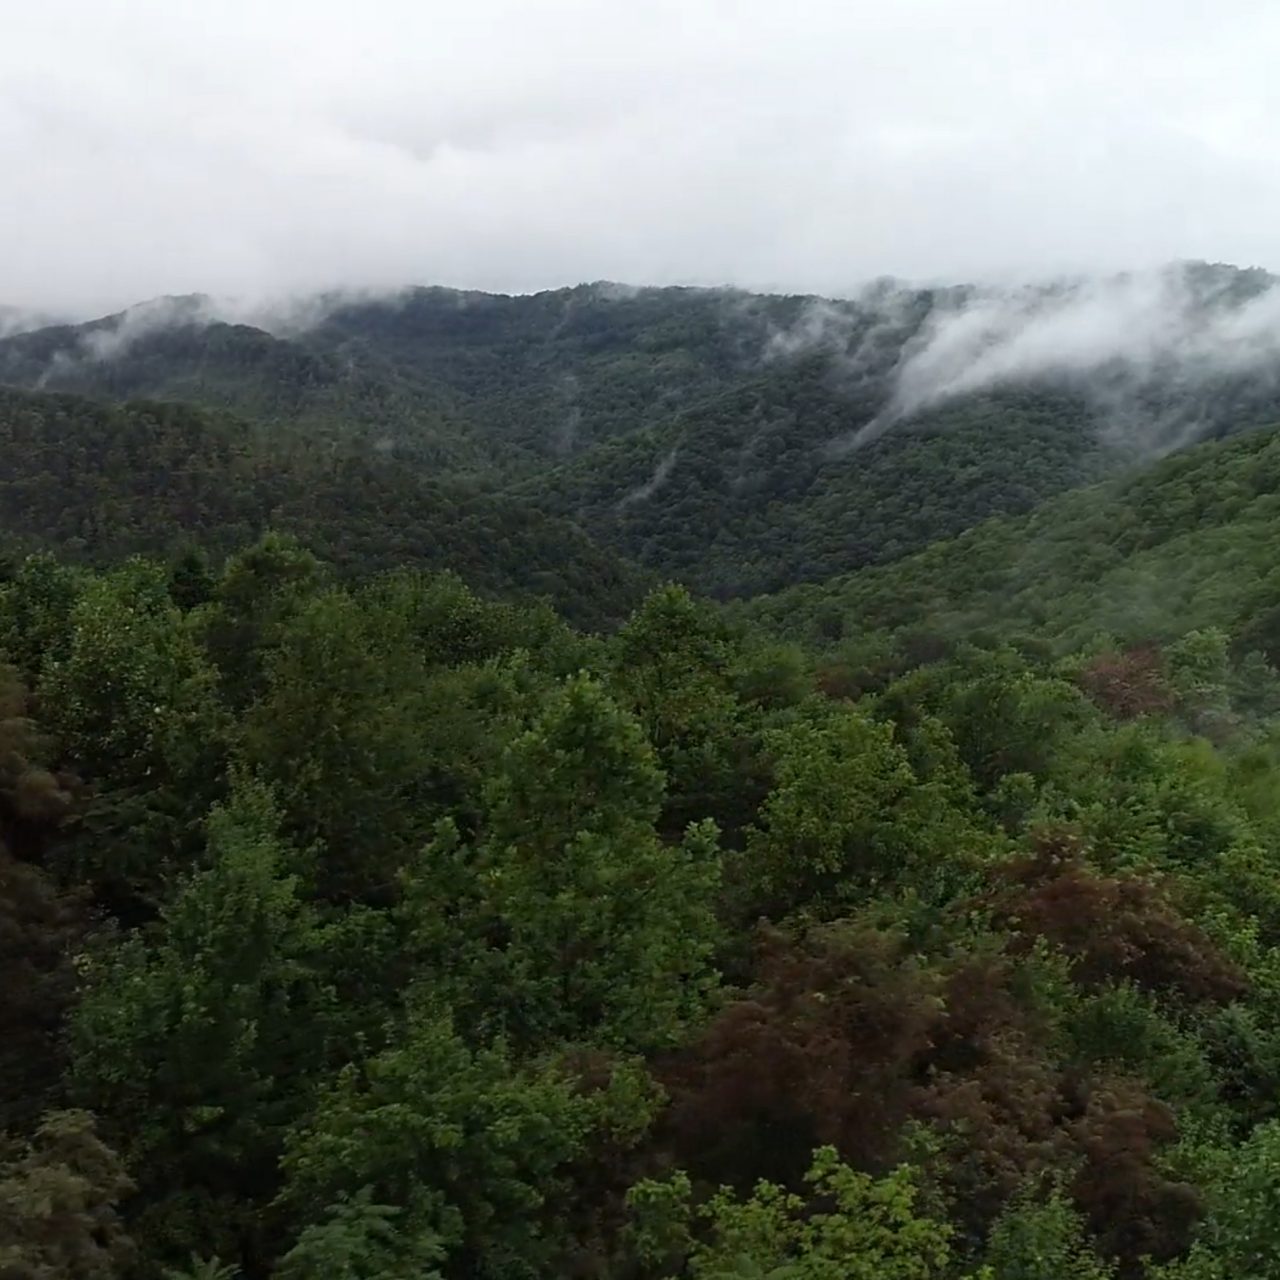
(742, 442)
(743, 494)
(1186, 543)
(358, 925)
(97, 482)
(361, 921)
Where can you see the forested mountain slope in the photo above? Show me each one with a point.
(171, 351)
(1187, 542)
(744, 494)
(97, 482)
(373, 929)
(741, 441)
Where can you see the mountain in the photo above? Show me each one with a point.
(97, 482)
(172, 351)
(741, 442)
(743, 494)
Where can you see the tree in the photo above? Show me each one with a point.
(851, 1227)
(199, 1044)
(190, 582)
(568, 919)
(1238, 1236)
(471, 1148)
(133, 703)
(35, 613)
(40, 929)
(258, 590)
(1042, 1237)
(58, 1205)
(674, 666)
(846, 815)
(335, 729)
(360, 1240)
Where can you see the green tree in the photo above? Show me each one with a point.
(198, 1045)
(568, 918)
(133, 700)
(336, 730)
(471, 1148)
(847, 815)
(58, 1205)
(134, 706)
(360, 1240)
(1038, 1237)
(674, 665)
(259, 589)
(852, 1227)
(1239, 1235)
(35, 613)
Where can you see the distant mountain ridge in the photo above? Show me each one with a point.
(739, 441)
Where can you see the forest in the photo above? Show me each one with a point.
(454, 869)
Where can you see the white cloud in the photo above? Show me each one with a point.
(243, 147)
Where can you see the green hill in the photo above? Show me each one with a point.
(706, 434)
(1186, 543)
(98, 481)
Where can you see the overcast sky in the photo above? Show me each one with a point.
(266, 146)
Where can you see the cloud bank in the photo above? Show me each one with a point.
(154, 148)
(1125, 342)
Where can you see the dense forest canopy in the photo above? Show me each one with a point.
(744, 442)
(408, 868)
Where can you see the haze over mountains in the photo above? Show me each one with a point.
(743, 442)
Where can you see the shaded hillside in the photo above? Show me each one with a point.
(98, 482)
(469, 378)
(751, 492)
(554, 373)
(169, 352)
(1188, 542)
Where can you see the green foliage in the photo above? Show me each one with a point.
(98, 483)
(569, 919)
(181, 1041)
(1148, 556)
(867, 1229)
(472, 1147)
(1042, 1237)
(202, 1269)
(675, 666)
(360, 1240)
(133, 698)
(59, 1202)
(35, 613)
(334, 729)
(846, 816)
(1238, 1236)
(393, 930)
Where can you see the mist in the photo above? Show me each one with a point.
(1141, 323)
(154, 149)
(1122, 341)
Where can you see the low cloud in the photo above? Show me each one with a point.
(1121, 341)
(112, 337)
(1171, 320)
(661, 474)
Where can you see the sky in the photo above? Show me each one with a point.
(272, 147)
